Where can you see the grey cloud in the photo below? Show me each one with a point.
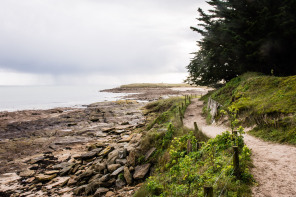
(85, 36)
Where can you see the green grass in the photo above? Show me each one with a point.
(179, 173)
(267, 102)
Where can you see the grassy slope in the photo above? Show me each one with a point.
(178, 173)
(265, 101)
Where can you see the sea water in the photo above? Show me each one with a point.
(13, 98)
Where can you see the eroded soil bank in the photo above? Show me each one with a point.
(274, 164)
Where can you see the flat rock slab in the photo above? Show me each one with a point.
(116, 172)
(89, 155)
(149, 153)
(72, 140)
(141, 171)
(44, 178)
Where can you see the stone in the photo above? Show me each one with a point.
(100, 167)
(44, 178)
(109, 194)
(136, 138)
(141, 171)
(89, 155)
(131, 169)
(50, 172)
(131, 159)
(36, 160)
(92, 187)
(100, 191)
(61, 165)
(122, 153)
(120, 183)
(121, 161)
(27, 173)
(106, 151)
(66, 169)
(108, 129)
(105, 178)
(116, 172)
(127, 175)
(88, 173)
(79, 190)
(58, 182)
(75, 168)
(95, 177)
(119, 131)
(149, 153)
(72, 181)
(113, 167)
(112, 156)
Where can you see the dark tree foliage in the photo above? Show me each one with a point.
(244, 35)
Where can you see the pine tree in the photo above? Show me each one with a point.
(244, 35)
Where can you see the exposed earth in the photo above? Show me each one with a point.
(274, 164)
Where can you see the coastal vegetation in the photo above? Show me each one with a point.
(265, 103)
(244, 36)
(186, 160)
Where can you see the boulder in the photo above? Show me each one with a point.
(50, 172)
(87, 174)
(105, 178)
(91, 154)
(66, 169)
(95, 177)
(127, 175)
(100, 191)
(120, 183)
(113, 167)
(106, 151)
(121, 161)
(92, 187)
(99, 167)
(141, 171)
(44, 178)
(149, 153)
(131, 159)
(112, 156)
(116, 172)
(27, 173)
(79, 190)
(72, 181)
(122, 153)
(61, 165)
(109, 194)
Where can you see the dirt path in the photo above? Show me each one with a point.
(275, 164)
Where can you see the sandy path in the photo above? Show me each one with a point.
(275, 164)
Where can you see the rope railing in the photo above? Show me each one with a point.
(226, 184)
(223, 170)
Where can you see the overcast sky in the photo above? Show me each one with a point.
(96, 41)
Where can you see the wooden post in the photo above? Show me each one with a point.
(236, 162)
(208, 191)
(189, 147)
(181, 115)
(195, 128)
(234, 136)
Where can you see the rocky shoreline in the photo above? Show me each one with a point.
(77, 151)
